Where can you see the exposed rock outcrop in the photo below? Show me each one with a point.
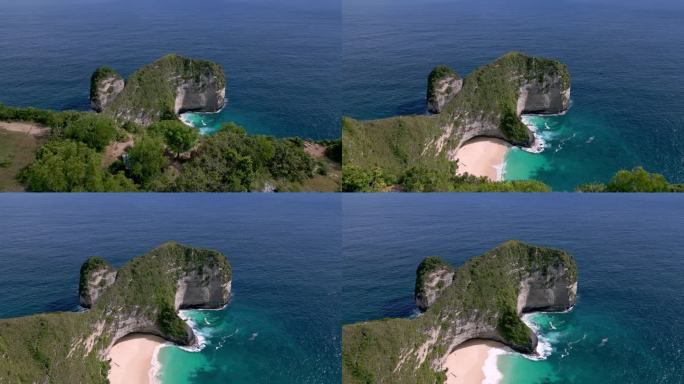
(143, 296)
(96, 276)
(443, 85)
(482, 299)
(105, 86)
(166, 88)
(433, 276)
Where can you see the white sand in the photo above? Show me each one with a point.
(471, 362)
(131, 359)
(483, 156)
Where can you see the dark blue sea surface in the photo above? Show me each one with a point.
(282, 58)
(627, 324)
(624, 57)
(283, 322)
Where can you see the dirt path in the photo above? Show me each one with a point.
(26, 128)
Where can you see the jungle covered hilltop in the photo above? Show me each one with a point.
(143, 296)
(482, 299)
(136, 142)
(487, 103)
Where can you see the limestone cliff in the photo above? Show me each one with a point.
(482, 299)
(489, 104)
(143, 296)
(96, 276)
(105, 86)
(166, 88)
(443, 85)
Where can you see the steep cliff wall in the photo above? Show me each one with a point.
(484, 300)
(143, 297)
(443, 84)
(163, 89)
(105, 86)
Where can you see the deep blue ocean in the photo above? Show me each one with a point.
(282, 58)
(627, 324)
(283, 322)
(624, 57)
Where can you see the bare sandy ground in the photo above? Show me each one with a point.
(314, 150)
(131, 359)
(116, 149)
(466, 365)
(29, 129)
(483, 156)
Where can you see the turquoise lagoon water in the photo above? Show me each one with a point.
(627, 325)
(282, 324)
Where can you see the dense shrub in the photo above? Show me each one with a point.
(68, 166)
(96, 131)
(178, 136)
(146, 159)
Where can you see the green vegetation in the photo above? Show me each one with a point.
(96, 131)
(17, 150)
(515, 131)
(233, 161)
(74, 156)
(484, 290)
(178, 136)
(150, 92)
(89, 266)
(68, 166)
(146, 159)
(636, 180)
(63, 347)
(437, 74)
(427, 266)
(420, 179)
(488, 98)
(99, 75)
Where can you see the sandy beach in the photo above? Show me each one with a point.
(131, 359)
(468, 363)
(483, 156)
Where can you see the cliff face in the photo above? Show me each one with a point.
(489, 104)
(443, 85)
(484, 300)
(96, 276)
(143, 296)
(166, 88)
(105, 86)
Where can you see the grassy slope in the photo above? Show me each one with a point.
(395, 143)
(50, 347)
(485, 284)
(17, 150)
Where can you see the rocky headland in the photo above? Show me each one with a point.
(487, 103)
(482, 299)
(143, 296)
(161, 90)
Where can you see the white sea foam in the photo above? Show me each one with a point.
(500, 171)
(155, 370)
(490, 367)
(544, 347)
(199, 334)
(539, 143)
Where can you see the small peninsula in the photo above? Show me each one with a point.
(160, 90)
(142, 297)
(488, 103)
(482, 299)
(135, 141)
